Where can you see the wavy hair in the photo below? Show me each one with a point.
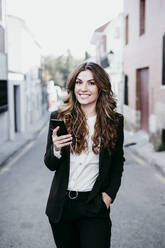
(105, 130)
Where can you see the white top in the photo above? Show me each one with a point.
(84, 168)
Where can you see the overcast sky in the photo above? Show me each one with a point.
(59, 25)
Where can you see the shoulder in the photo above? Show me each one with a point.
(120, 119)
(119, 116)
(120, 124)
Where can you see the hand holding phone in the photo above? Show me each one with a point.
(60, 136)
(62, 128)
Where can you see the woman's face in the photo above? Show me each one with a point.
(85, 90)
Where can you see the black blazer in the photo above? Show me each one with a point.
(108, 180)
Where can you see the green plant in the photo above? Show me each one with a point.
(160, 147)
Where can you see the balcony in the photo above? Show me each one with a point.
(3, 66)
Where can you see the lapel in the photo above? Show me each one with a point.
(104, 165)
(66, 166)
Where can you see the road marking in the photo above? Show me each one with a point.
(138, 160)
(13, 160)
(160, 178)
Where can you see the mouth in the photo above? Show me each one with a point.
(84, 96)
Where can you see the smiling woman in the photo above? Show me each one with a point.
(86, 92)
(88, 161)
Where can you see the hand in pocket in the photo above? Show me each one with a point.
(107, 199)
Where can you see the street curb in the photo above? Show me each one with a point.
(151, 161)
(158, 168)
(23, 145)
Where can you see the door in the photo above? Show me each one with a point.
(17, 108)
(143, 97)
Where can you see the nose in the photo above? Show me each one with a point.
(84, 86)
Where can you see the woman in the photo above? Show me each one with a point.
(88, 161)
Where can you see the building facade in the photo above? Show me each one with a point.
(109, 41)
(144, 67)
(25, 92)
(3, 74)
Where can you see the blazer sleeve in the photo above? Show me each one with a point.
(117, 162)
(51, 161)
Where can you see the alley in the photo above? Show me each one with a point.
(138, 213)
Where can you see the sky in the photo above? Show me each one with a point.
(59, 25)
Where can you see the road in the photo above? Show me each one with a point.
(138, 213)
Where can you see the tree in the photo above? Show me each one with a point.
(59, 68)
(87, 55)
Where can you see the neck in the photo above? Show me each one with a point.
(89, 110)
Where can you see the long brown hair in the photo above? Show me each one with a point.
(106, 121)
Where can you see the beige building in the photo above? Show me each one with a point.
(144, 67)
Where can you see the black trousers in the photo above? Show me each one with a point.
(77, 229)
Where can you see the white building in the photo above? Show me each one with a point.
(25, 92)
(109, 41)
(3, 75)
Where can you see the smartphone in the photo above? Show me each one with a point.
(62, 130)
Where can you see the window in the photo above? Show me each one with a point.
(142, 16)
(126, 29)
(3, 96)
(163, 62)
(126, 90)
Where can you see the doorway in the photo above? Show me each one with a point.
(142, 99)
(17, 108)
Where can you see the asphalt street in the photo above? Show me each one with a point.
(138, 213)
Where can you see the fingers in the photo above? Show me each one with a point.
(60, 141)
(59, 146)
(55, 130)
(107, 199)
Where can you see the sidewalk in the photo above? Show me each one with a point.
(144, 149)
(11, 148)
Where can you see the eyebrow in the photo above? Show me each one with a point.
(87, 80)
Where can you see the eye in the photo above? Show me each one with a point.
(92, 82)
(78, 82)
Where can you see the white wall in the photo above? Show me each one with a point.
(115, 42)
(3, 20)
(3, 76)
(24, 61)
(24, 52)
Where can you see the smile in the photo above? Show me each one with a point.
(84, 96)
